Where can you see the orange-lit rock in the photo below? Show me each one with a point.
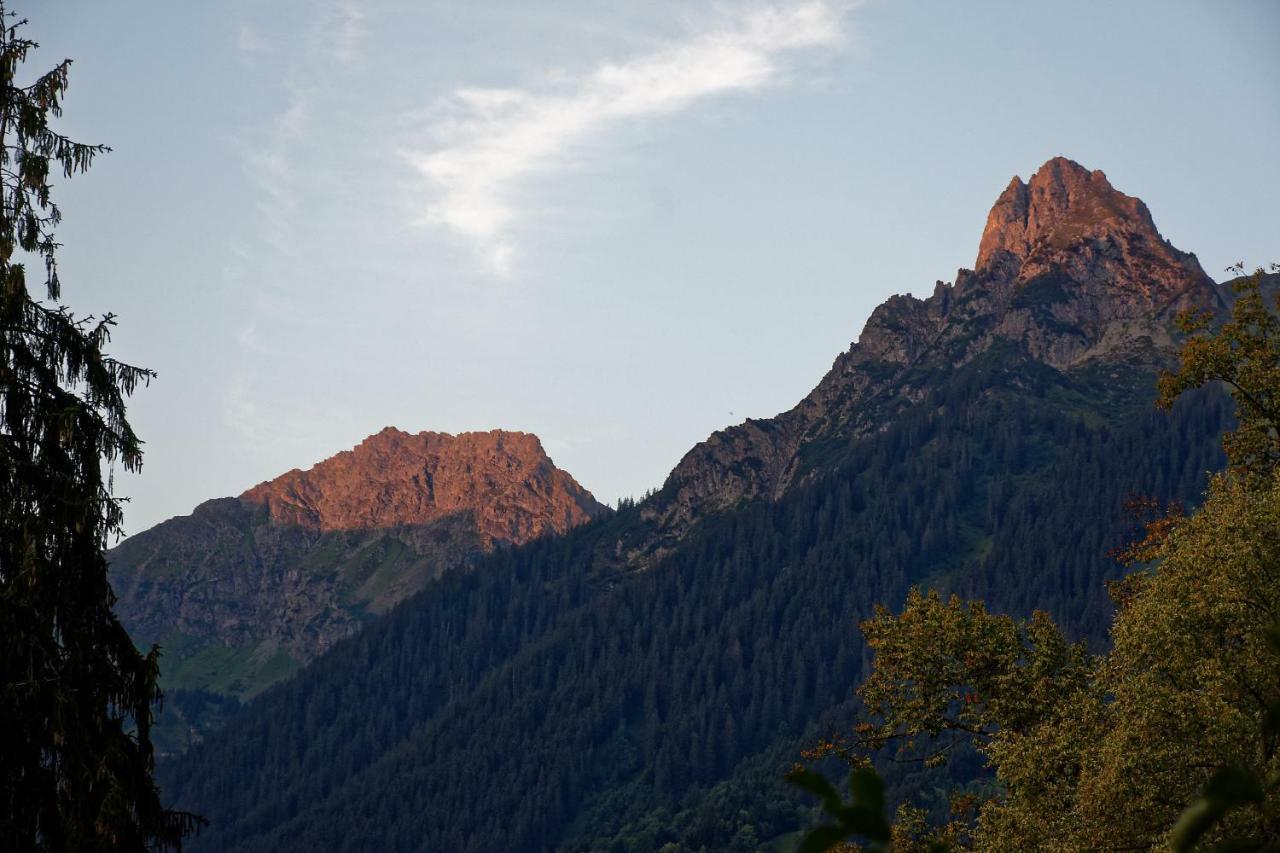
(504, 480)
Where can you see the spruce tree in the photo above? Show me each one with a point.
(76, 759)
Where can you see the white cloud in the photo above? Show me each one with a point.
(249, 42)
(492, 139)
(347, 33)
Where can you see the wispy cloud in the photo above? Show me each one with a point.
(489, 140)
(346, 32)
(269, 267)
(250, 42)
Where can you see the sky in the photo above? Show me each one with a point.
(618, 225)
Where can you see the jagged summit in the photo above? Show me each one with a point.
(1071, 275)
(1067, 218)
(1061, 204)
(504, 479)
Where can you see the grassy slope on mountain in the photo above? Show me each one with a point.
(547, 701)
(209, 588)
(237, 571)
(245, 590)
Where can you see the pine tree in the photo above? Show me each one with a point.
(76, 759)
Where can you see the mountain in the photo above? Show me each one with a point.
(245, 590)
(644, 679)
(1070, 272)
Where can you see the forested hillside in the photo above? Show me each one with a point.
(546, 700)
(244, 591)
(917, 531)
(646, 679)
(1165, 740)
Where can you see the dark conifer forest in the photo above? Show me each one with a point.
(466, 527)
(548, 700)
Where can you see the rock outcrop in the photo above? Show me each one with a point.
(503, 480)
(1070, 272)
(244, 590)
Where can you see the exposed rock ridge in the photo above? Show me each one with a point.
(1068, 216)
(245, 589)
(1069, 271)
(505, 480)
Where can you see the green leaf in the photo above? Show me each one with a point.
(1198, 819)
(867, 788)
(1273, 637)
(1271, 721)
(817, 784)
(820, 839)
(1229, 787)
(1232, 786)
(867, 822)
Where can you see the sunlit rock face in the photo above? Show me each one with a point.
(245, 589)
(504, 480)
(1071, 274)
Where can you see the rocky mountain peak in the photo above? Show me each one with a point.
(1070, 221)
(505, 480)
(245, 589)
(1071, 274)
(1063, 204)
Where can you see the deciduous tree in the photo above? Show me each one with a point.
(1173, 735)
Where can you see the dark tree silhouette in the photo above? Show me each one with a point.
(75, 752)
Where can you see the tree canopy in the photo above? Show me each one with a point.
(1114, 750)
(75, 757)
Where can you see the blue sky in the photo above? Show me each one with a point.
(618, 225)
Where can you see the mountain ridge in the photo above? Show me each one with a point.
(644, 680)
(395, 478)
(1069, 269)
(245, 589)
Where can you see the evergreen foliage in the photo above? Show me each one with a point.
(1107, 751)
(862, 816)
(1172, 736)
(549, 699)
(75, 755)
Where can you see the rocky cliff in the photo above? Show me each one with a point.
(982, 441)
(504, 481)
(245, 589)
(1071, 273)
